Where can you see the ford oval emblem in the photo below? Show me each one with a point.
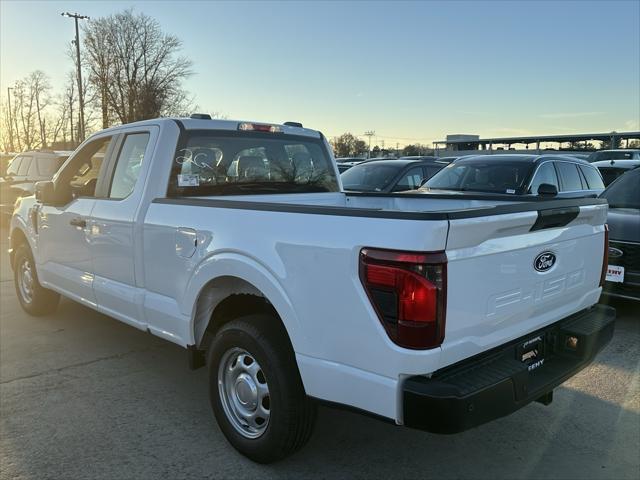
(615, 252)
(544, 261)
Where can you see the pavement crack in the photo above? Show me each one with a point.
(75, 365)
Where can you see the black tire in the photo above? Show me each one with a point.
(41, 301)
(292, 413)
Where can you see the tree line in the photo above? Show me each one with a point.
(348, 145)
(132, 69)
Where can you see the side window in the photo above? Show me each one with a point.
(14, 166)
(24, 166)
(128, 165)
(594, 181)
(546, 174)
(85, 167)
(570, 177)
(410, 180)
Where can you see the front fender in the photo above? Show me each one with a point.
(235, 265)
(20, 221)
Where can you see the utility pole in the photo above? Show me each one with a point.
(10, 120)
(77, 17)
(369, 133)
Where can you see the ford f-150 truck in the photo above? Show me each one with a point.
(236, 241)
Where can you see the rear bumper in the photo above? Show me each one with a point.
(497, 383)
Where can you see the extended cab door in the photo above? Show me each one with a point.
(114, 231)
(63, 244)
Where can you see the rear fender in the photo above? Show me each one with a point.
(260, 282)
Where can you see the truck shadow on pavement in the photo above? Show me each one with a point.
(84, 396)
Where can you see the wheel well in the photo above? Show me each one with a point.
(17, 238)
(226, 299)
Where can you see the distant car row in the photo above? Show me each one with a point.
(552, 175)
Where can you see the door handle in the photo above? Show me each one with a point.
(78, 222)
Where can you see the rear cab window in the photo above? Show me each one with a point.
(243, 163)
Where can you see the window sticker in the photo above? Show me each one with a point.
(510, 190)
(188, 180)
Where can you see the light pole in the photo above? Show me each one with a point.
(10, 120)
(369, 133)
(77, 17)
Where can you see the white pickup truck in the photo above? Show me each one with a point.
(235, 241)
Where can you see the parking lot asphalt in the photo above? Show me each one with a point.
(84, 396)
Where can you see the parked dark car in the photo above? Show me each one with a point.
(387, 176)
(612, 169)
(553, 175)
(22, 174)
(619, 154)
(345, 164)
(623, 274)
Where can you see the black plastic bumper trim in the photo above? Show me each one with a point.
(497, 383)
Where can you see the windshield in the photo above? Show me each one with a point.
(624, 192)
(483, 176)
(369, 177)
(233, 163)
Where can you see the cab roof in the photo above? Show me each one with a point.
(219, 124)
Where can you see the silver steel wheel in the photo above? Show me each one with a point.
(244, 392)
(25, 280)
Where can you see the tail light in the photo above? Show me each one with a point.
(409, 294)
(605, 256)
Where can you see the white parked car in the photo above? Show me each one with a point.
(236, 241)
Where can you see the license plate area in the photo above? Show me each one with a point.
(531, 352)
(615, 274)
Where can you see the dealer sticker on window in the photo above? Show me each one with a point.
(188, 180)
(615, 274)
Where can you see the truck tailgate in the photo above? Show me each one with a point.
(513, 274)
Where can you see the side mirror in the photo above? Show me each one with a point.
(45, 192)
(547, 190)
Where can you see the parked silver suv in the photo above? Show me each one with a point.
(22, 174)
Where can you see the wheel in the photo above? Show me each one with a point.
(256, 392)
(34, 298)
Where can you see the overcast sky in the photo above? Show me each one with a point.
(412, 71)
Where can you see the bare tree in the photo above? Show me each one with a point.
(40, 86)
(30, 99)
(134, 67)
